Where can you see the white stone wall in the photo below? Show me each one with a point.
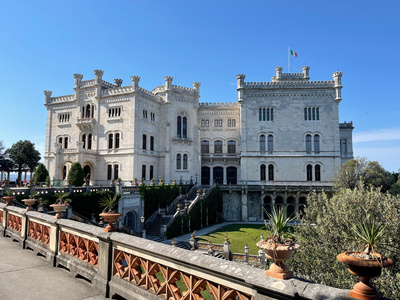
(287, 94)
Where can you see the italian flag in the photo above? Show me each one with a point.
(293, 53)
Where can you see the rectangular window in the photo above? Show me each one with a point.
(218, 147)
(144, 114)
(207, 123)
(116, 140)
(205, 147)
(152, 144)
(229, 122)
(233, 123)
(344, 146)
(203, 123)
(144, 172)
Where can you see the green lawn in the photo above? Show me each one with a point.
(239, 235)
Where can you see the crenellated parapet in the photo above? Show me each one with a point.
(135, 82)
(98, 76)
(196, 87)
(118, 82)
(78, 79)
(168, 82)
(289, 84)
(47, 96)
(182, 89)
(214, 105)
(337, 78)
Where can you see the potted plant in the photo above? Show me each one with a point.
(280, 245)
(368, 263)
(61, 204)
(29, 202)
(109, 203)
(9, 198)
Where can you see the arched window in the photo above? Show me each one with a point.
(185, 161)
(316, 143)
(178, 161)
(144, 172)
(309, 172)
(218, 147)
(89, 141)
(262, 143)
(152, 143)
(184, 133)
(271, 172)
(231, 146)
(64, 172)
(60, 141)
(262, 172)
(144, 141)
(179, 127)
(308, 143)
(151, 172)
(317, 173)
(270, 143)
(109, 172)
(83, 112)
(116, 171)
(84, 141)
(66, 143)
(88, 111)
(205, 147)
(116, 140)
(110, 141)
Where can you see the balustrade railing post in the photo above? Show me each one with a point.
(104, 266)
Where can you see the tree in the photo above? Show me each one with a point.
(41, 174)
(76, 174)
(358, 170)
(24, 155)
(5, 163)
(326, 230)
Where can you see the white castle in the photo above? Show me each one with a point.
(285, 132)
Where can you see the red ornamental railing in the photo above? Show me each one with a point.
(39, 232)
(81, 248)
(169, 282)
(14, 222)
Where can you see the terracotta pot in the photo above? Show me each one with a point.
(366, 269)
(29, 203)
(59, 208)
(8, 199)
(110, 217)
(279, 253)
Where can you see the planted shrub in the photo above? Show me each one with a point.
(76, 174)
(40, 174)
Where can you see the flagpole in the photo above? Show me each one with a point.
(289, 59)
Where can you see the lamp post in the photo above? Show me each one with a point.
(143, 231)
(246, 252)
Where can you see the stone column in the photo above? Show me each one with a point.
(135, 83)
(240, 86)
(97, 81)
(78, 80)
(244, 207)
(306, 72)
(337, 77)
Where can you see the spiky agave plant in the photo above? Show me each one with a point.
(370, 233)
(279, 223)
(109, 202)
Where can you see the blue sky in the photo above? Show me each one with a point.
(44, 42)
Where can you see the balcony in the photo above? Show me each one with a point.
(85, 124)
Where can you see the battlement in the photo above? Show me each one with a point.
(214, 105)
(146, 93)
(117, 91)
(346, 125)
(181, 89)
(289, 84)
(61, 99)
(107, 85)
(87, 83)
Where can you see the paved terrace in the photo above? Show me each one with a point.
(26, 276)
(123, 265)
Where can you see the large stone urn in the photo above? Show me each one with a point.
(111, 218)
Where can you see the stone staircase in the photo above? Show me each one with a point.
(153, 232)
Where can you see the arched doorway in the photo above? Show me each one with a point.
(205, 175)
(231, 175)
(302, 205)
(86, 171)
(267, 207)
(130, 220)
(290, 212)
(279, 203)
(218, 173)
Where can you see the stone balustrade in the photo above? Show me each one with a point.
(136, 268)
